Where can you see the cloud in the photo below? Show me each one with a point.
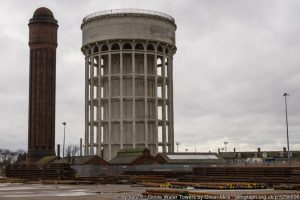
(234, 61)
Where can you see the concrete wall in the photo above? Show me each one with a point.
(130, 26)
(94, 170)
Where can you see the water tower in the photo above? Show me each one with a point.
(128, 81)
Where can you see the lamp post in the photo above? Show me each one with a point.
(64, 123)
(287, 126)
(177, 144)
(225, 144)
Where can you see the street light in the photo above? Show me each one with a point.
(177, 144)
(225, 143)
(64, 123)
(287, 126)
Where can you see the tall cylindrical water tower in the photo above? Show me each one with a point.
(128, 81)
(42, 82)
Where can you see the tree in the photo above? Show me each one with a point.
(71, 152)
(9, 157)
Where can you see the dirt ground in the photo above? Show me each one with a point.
(9, 191)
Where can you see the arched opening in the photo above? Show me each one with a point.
(167, 51)
(104, 48)
(115, 46)
(96, 50)
(127, 46)
(159, 49)
(150, 47)
(139, 46)
(90, 51)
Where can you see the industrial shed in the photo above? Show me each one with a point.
(202, 159)
(87, 166)
(137, 156)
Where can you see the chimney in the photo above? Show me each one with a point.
(234, 149)
(58, 150)
(284, 149)
(218, 150)
(80, 147)
(258, 149)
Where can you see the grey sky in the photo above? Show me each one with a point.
(234, 61)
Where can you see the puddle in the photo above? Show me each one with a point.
(12, 187)
(114, 192)
(79, 190)
(53, 194)
(39, 190)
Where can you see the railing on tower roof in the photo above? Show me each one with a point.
(128, 11)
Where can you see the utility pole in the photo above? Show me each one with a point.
(64, 123)
(287, 126)
(225, 144)
(177, 144)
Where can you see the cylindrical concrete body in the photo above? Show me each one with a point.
(41, 125)
(129, 81)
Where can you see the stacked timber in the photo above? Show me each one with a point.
(267, 175)
(180, 194)
(167, 174)
(149, 178)
(216, 186)
(35, 171)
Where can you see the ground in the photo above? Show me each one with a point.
(9, 191)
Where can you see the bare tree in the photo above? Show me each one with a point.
(9, 157)
(75, 150)
(71, 152)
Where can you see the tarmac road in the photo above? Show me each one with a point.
(12, 191)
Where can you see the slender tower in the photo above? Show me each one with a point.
(41, 126)
(128, 81)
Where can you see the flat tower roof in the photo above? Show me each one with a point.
(120, 12)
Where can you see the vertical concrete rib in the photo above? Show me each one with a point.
(86, 141)
(121, 100)
(171, 109)
(99, 132)
(133, 99)
(146, 137)
(156, 100)
(92, 106)
(109, 103)
(164, 104)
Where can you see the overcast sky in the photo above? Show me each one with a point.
(234, 61)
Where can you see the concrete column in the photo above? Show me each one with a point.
(156, 101)
(171, 110)
(99, 132)
(121, 99)
(86, 138)
(164, 104)
(92, 106)
(146, 95)
(109, 105)
(133, 93)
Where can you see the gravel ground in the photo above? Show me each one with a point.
(9, 191)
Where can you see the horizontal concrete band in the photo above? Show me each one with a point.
(128, 27)
(128, 46)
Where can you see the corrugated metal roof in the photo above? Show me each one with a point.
(129, 156)
(79, 160)
(193, 156)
